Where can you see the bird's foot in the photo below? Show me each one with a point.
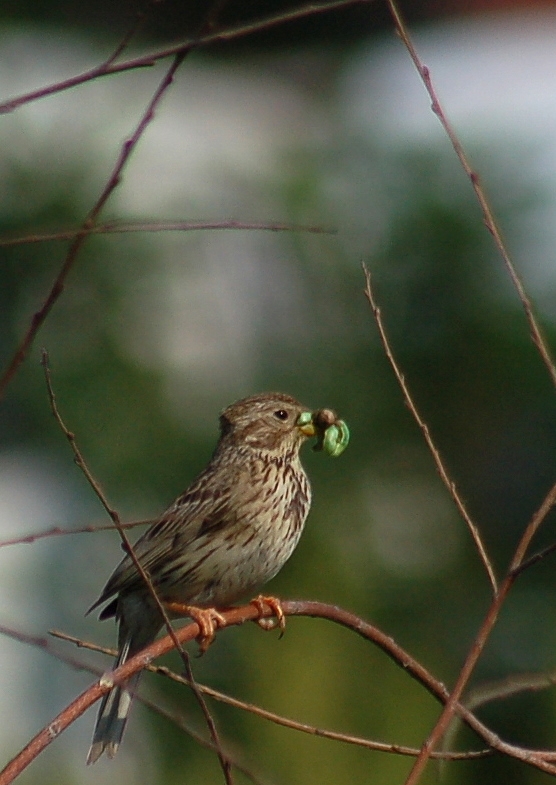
(207, 619)
(269, 623)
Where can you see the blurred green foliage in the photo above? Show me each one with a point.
(461, 339)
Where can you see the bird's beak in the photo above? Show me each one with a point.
(306, 425)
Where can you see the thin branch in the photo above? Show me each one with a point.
(278, 718)
(46, 645)
(479, 644)
(140, 19)
(500, 593)
(115, 227)
(59, 283)
(449, 484)
(536, 557)
(148, 60)
(548, 503)
(138, 566)
(57, 531)
(537, 758)
(488, 215)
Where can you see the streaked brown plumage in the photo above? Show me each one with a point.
(229, 533)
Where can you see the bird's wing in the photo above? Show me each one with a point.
(203, 508)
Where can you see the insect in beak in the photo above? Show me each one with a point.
(332, 434)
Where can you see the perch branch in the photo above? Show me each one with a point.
(537, 758)
(277, 718)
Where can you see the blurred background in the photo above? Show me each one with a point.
(321, 122)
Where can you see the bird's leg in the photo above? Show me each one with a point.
(208, 620)
(261, 603)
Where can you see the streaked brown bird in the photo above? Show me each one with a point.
(228, 534)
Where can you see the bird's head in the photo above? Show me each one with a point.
(278, 422)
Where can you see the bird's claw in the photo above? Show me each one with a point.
(207, 619)
(270, 623)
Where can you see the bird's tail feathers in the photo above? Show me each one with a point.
(113, 713)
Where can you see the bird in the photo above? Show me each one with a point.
(221, 540)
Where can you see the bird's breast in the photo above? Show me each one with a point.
(265, 515)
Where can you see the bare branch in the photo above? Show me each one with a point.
(138, 566)
(148, 60)
(46, 645)
(115, 227)
(489, 220)
(537, 758)
(488, 215)
(80, 237)
(57, 531)
(450, 485)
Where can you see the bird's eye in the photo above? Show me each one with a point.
(281, 414)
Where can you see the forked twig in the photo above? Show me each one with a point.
(450, 485)
(113, 181)
(150, 59)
